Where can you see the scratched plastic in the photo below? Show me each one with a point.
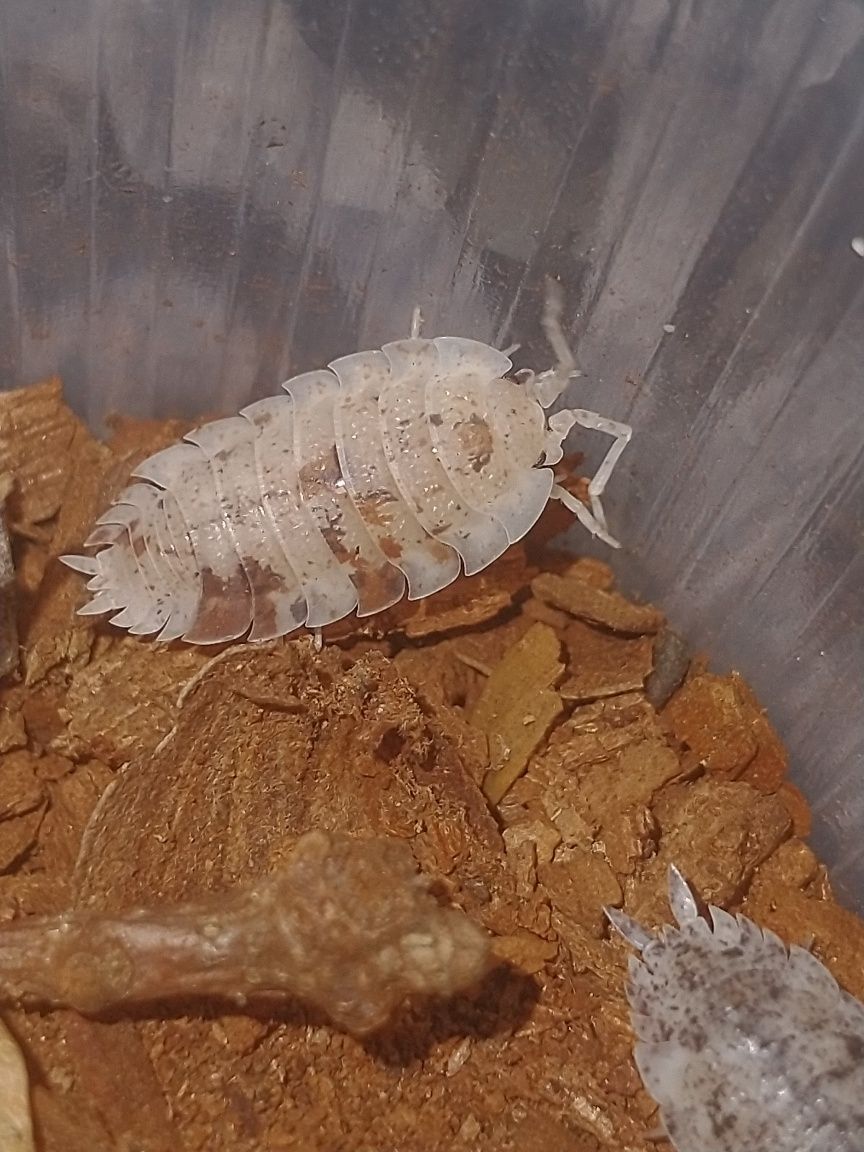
(199, 200)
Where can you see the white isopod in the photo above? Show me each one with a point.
(388, 471)
(743, 1043)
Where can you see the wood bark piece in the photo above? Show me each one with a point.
(36, 434)
(121, 703)
(596, 605)
(722, 727)
(16, 1122)
(518, 706)
(603, 664)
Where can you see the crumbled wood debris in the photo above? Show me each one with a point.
(106, 714)
(131, 774)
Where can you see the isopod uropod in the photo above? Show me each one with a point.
(388, 471)
(743, 1043)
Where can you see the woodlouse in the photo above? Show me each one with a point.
(742, 1042)
(388, 471)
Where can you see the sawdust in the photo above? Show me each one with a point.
(131, 774)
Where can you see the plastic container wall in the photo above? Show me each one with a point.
(199, 198)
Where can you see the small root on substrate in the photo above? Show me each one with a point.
(538, 744)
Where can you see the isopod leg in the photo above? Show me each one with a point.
(583, 515)
(621, 434)
(548, 386)
(553, 310)
(416, 322)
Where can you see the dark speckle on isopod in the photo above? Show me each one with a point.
(387, 473)
(743, 1043)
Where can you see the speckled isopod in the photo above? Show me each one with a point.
(743, 1043)
(388, 471)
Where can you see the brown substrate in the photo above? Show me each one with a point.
(526, 683)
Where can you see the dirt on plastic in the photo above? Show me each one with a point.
(544, 746)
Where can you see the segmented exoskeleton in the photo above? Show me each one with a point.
(387, 472)
(743, 1042)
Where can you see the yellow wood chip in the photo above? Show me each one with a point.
(518, 706)
(16, 1125)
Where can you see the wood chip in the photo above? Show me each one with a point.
(13, 734)
(53, 634)
(714, 723)
(16, 1123)
(591, 571)
(538, 610)
(794, 864)
(36, 433)
(596, 731)
(124, 701)
(767, 770)
(601, 664)
(580, 883)
(612, 795)
(526, 950)
(597, 606)
(18, 835)
(489, 604)
(717, 832)
(796, 805)
(467, 603)
(20, 789)
(517, 706)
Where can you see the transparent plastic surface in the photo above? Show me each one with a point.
(199, 198)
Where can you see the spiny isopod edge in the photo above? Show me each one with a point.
(743, 1043)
